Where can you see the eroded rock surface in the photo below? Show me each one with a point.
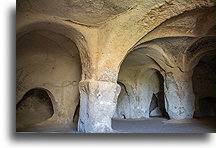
(116, 58)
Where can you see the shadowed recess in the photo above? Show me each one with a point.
(35, 106)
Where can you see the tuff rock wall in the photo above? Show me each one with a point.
(50, 62)
(79, 50)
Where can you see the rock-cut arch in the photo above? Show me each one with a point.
(50, 60)
(140, 78)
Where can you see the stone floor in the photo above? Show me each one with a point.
(162, 125)
(152, 125)
(47, 129)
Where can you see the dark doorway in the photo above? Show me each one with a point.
(204, 85)
(157, 105)
(76, 117)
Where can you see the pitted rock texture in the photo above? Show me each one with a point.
(97, 98)
(49, 61)
(104, 59)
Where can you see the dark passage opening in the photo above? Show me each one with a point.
(157, 105)
(35, 106)
(204, 85)
(76, 117)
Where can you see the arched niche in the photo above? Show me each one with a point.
(46, 59)
(140, 78)
(69, 31)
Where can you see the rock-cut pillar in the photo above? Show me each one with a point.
(179, 96)
(98, 101)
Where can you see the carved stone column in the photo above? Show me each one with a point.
(179, 96)
(97, 105)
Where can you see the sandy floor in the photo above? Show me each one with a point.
(161, 125)
(48, 129)
(152, 125)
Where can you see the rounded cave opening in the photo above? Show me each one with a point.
(35, 106)
(204, 85)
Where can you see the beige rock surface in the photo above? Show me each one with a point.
(87, 50)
